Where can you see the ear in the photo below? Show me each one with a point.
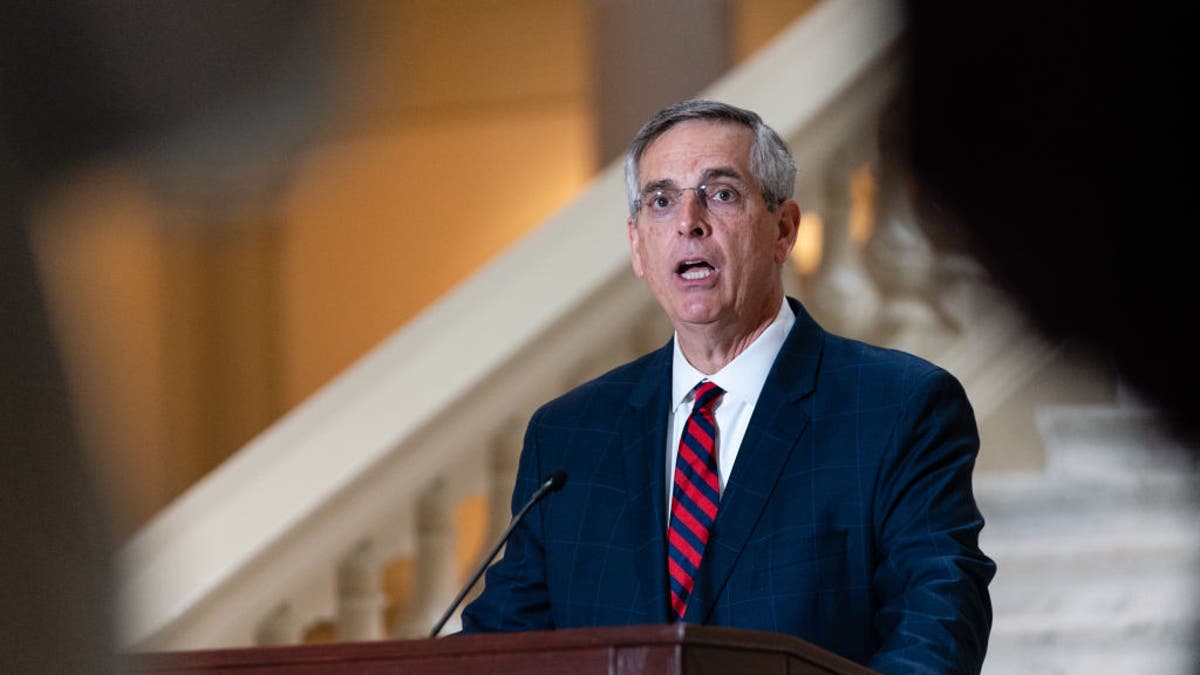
(789, 225)
(635, 247)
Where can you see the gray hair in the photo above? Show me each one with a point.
(771, 163)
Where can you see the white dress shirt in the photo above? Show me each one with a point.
(742, 379)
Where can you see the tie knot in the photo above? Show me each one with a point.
(707, 394)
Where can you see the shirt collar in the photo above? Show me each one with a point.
(743, 377)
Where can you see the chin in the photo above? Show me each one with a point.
(698, 314)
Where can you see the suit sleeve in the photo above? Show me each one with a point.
(930, 580)
(515, 596)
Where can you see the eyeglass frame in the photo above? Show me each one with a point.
(701, 191)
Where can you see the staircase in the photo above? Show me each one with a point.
(1099, 555)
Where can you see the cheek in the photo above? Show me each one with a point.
(755, 252)
(651, 254)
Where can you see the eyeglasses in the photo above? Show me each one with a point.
(719, 199)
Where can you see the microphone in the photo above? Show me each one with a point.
(553, 483)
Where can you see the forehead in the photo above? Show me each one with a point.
(688, 149)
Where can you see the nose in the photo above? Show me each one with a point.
(692, 218)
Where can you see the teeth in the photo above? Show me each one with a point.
(697, 273)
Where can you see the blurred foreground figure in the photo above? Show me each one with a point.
(78, 80)
(1045, 140)
(1039, 140)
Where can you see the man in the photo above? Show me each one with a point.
(756, 471)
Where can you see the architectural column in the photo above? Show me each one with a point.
(221, 305)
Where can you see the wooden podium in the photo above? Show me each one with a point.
(625, 650)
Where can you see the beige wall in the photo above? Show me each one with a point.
(755, 22)
(382, 225)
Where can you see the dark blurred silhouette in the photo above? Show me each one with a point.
(1047, 139)
(188, 88)
(1041, 138)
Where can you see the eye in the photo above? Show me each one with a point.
(660, 200)
(722, 193)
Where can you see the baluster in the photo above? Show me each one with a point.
(903, 264)
(505, 456)
(435, 580)
(843, 296)
(399, 574)
(360, 597)
(305, 615)
(963, 292)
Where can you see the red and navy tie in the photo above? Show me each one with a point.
(695, 496)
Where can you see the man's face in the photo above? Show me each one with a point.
(717, 266)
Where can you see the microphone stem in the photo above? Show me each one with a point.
(512, 524)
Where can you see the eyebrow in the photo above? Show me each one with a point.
(660, 184)
(708, 175)
(720, 172)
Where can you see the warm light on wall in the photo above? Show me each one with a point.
(810, 235)
(810, 240)
(862, 205)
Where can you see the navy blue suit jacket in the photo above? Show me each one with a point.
(848, 519)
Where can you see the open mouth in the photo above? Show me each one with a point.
(693, 270)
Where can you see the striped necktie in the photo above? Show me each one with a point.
(695, 496)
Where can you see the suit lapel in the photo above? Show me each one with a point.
(644, 434)
(776, 426)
